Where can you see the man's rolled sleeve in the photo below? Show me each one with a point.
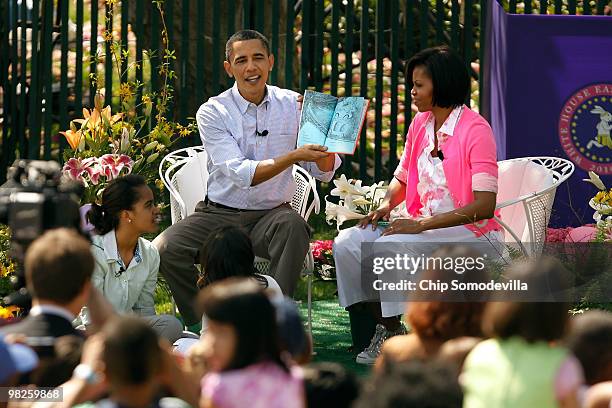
(222, 148)
(325, 176)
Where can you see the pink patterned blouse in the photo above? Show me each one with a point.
(469, 162)
(433, 187)
(261, 385)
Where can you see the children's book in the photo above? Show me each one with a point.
(332, 122)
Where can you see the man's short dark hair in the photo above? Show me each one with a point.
(330, 384)
(132, 355)
(57, 265)
(448, 73)
(413, 384)
(244, 35)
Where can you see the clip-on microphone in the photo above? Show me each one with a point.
(264, 133)
(119, 272)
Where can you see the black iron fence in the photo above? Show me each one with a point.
(54, 57)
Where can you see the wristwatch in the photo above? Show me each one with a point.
(86, 373)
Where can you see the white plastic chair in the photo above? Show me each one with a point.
(184, 173)
(527, 188)
(185, 177)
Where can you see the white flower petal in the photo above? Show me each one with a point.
(595, 180)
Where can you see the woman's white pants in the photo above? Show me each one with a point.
(347, 257)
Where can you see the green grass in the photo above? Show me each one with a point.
(332, 335)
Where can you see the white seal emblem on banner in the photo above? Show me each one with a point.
(585, 128)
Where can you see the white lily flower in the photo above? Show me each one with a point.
(357, 185)
(344, 214)
(595, 180)
(339, 213)
(348, 202)
(331, 212)
(345, 187)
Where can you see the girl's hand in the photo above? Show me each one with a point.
(382, 213)
(404, 226)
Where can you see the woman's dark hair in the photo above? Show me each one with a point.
(227, 252)
(533, 321)
(120, 194)
(431, 384)
(448, 318)
(589, 340)
(445, 320)
(243, 304)
(448, 73)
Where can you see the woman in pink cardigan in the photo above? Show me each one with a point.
(447, 177)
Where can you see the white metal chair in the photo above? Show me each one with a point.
(184, 173)
(527, 188)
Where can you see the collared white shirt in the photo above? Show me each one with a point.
(128, 289)
(433, 187)
(53, 310)
(228, 126)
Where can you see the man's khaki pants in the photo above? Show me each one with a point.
(280, 235)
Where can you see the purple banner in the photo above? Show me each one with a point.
(548, 81)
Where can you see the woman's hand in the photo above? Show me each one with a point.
(404, 226)
(382, 213)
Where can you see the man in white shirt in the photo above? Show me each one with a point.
(250, 135)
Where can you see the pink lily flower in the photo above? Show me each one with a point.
(94, 170)
(76, 168)
(113, 164)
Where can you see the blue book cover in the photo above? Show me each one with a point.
(332, 122)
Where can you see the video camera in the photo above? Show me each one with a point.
(35, 198)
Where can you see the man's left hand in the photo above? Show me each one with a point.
(404, 226)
